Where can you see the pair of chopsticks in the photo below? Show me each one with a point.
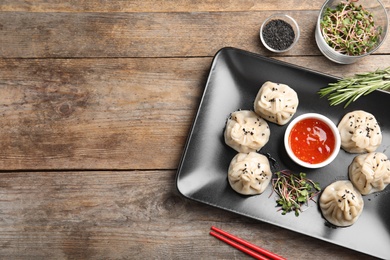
(244, 246)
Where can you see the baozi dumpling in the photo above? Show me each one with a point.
(370, 172)
(249, 173)
(341, 204)
(276, 102)
(359, 132)
(246, 132)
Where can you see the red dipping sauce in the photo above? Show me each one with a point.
(312, 140)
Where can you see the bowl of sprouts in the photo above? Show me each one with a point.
(348, 30)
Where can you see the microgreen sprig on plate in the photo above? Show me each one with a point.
(350, 89)
(294, 191)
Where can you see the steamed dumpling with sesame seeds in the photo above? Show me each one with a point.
(246, 132)
(249, 173)
(276, 102)
(370, 172)
(341, 204)
(360, 132)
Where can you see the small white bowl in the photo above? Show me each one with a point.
(333, 129)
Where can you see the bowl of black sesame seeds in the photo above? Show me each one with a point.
(279, 33)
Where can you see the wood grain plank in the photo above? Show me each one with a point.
(128, 215)
(110, 113)
(183, 34)
(89, 113)
(163, 6)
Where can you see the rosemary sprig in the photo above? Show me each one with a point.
(351, 88)
(294, 191)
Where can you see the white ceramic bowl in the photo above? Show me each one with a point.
(333, 129)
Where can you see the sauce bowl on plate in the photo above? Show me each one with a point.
(312, 140)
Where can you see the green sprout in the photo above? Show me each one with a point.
(350, 29)
(294, 191)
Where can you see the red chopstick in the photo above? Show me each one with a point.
(244, 246)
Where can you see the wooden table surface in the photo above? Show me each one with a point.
(96, 101)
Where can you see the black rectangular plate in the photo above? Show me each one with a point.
(234, 80)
